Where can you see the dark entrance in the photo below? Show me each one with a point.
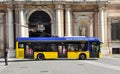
(39, 24)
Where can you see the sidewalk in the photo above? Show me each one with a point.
(2, 66)
(115, 55)
(2, 62)
(12, 60)
(112, 56)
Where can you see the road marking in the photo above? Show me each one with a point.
(23, 67)
(43, 71)
(103, 65)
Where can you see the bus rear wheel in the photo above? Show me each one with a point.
(82, 56)
(40, 57)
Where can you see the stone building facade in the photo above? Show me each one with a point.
(95, 18)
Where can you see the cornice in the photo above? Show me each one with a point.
(68, 7)
(113, 6)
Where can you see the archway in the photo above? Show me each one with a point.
(39, 24)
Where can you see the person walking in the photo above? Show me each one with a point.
(5, 56)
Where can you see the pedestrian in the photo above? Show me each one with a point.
(5, 56)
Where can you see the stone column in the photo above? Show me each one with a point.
(68, 23)
(22, 23)
(102, 23)
(60, 20)
(10, 31)
(91, 28)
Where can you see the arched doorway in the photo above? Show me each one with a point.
(39, 24)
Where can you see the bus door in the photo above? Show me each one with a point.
(94, 49)
(62, 51)
(28, 51)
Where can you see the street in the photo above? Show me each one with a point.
(106, 65)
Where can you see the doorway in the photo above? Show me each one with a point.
(28, 52)
(94, 49)
(62, 51)
(39, 24)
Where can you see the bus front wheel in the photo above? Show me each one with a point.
(40, 57)
(82, 56)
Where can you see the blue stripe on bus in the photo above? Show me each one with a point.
(79, 38)
(39, 39)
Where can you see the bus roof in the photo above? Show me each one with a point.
(48, 39)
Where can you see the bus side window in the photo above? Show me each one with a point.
(53, 47)
(76, 47)
(20, 45)
(69, 47)
(80, 48)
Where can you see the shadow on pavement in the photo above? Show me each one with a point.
(18, 60)
(67, 59)
(27, 60)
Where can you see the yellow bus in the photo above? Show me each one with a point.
(75, 47)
